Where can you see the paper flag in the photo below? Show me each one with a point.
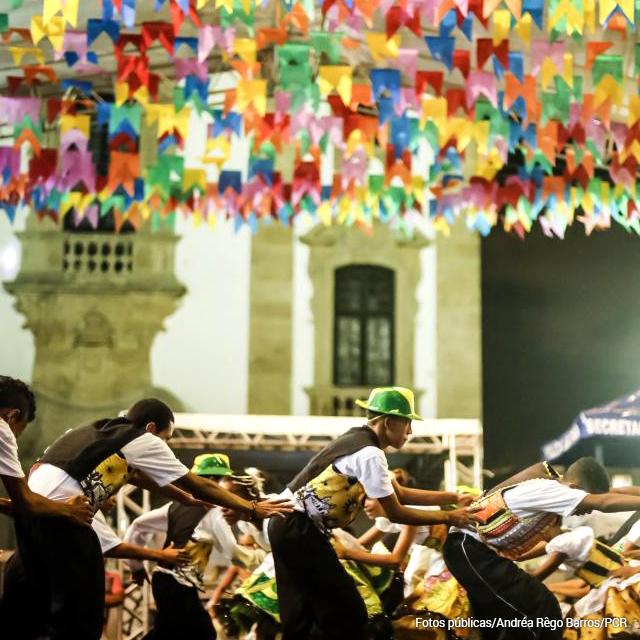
(254, 93)
(382, 47)
(53, 30)
(441, 49)
(97, 27)
(18, 53)
(607, 7)
(68, 8)
(338, 78)
(160, 31)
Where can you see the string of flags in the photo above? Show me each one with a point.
(504, 113)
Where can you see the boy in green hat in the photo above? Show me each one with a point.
(317, 598)
(201, 530)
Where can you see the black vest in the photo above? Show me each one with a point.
(182, 521)
(92, 455)
(80, 450)
(353, 440)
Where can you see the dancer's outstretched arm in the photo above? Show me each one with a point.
(608, 502)
(554, 560)
(397, 512)
(211, 492)
(395, 559)
(426, 497)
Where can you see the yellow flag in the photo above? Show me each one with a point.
(573, 16)
(440, 224)
(52, 30)
(634, 110)
(181, 122)
(608, 6)
(501, 25)
(567, 71)
(17, 53)
(159, 113)
(634, 150)
(481, 135)
(218, 151)
(141, 95)
(381, 47)
(332, 77)
(194, 178)
(324, 213)
(225, 4)
(608, 89)
(252, 92)
(523, 29)
(121, 93)
(417, 189)
(245, 49)
(589, 10)
(548, 70)
(68, 8)
(80, 122)
(433, 109)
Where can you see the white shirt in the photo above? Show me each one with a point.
(532, 497)
(9, 462)
(261, 536)
(634, 534)
(576, 545)
(422, 531)
(368, 465)
(212, 528)
(148, 453)
(106, 535)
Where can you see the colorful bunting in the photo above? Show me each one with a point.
(527, 109)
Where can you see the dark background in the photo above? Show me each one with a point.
(560, 333)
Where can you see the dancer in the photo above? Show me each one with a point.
(316, 596)
(95, 460)
(203, 531)
(17, 410)
(113, 547)
(431, 591)
(613, 587)
(514, 517)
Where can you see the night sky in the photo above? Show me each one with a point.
(561, 333)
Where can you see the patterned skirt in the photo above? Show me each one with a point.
(618, 619)
(439, 598)
(260, 590)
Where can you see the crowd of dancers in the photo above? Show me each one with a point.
(433, 564)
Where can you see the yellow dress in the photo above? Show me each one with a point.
(612, 608)
(439, 596)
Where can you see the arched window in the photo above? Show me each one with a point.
(363, 353)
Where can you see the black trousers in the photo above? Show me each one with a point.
(318, 600)
(54, 583)
(499, 590)
(180, 613)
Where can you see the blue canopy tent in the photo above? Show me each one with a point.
(610, 433)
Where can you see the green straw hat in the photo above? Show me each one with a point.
(212, 464)
(392, 401)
